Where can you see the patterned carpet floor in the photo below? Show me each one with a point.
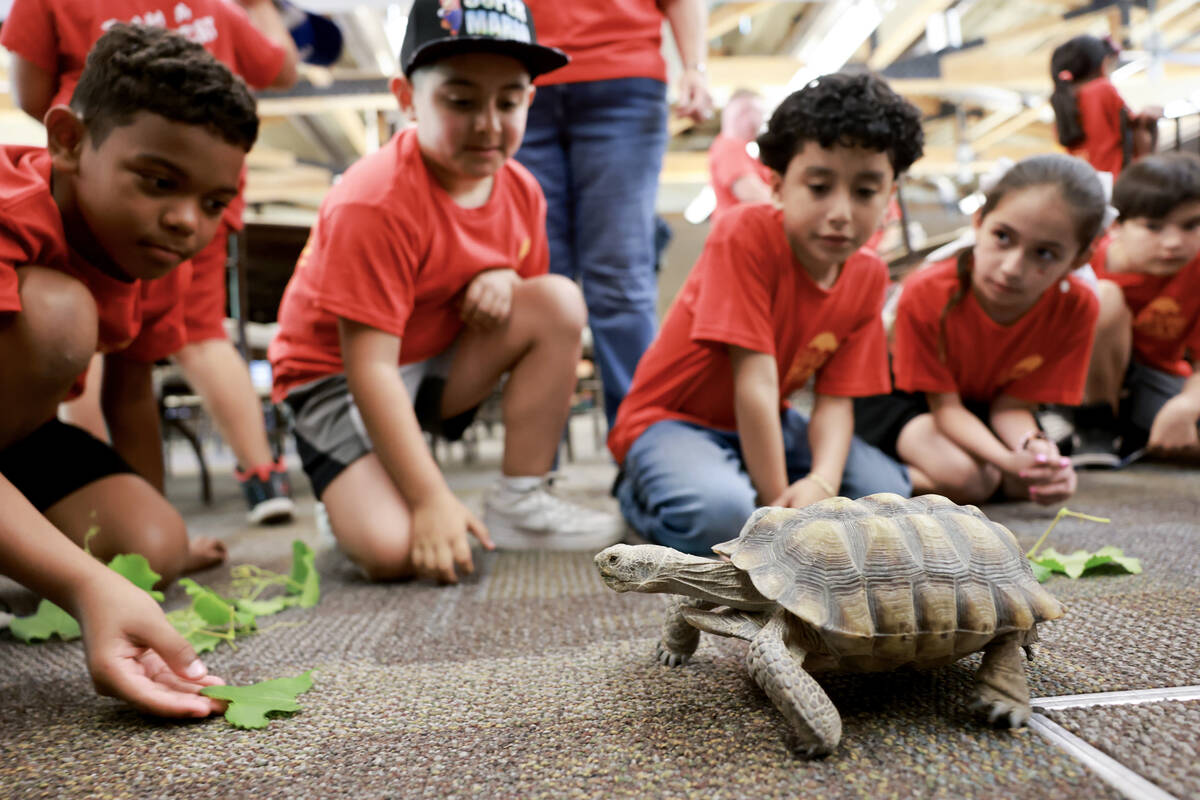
(532, 680)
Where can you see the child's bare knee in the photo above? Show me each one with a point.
(557, 301)
(385, 562)
(1114, 313)
(973, 484)
(58, 324)
(163, 540)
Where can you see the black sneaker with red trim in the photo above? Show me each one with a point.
(268, 493)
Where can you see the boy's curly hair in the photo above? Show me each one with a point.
(1155, 186)
(851, 110)
(134, 68)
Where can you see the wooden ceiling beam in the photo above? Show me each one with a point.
(909, 26)
(727, 16)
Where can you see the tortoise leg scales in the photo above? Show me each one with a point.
(1001, 692)
(794, 692)
(679, 638)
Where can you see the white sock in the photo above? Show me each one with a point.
(518, 484)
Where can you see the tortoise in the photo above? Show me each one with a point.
(847, 585)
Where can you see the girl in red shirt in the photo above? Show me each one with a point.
(982, 338)
(1093, 121)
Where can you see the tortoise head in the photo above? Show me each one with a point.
(633, 568)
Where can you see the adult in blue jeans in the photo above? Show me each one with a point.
(594, 140)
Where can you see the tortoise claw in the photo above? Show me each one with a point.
(670, 659)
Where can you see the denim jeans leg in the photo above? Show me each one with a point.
(543, 152)
(868, 469)
(616, 135)
(685, 487)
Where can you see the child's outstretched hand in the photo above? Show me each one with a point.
(134, 654)
(488, 299)
(1173, 431)
(439, 538)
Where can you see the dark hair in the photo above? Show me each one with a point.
(843, 109)
(1080, 188)
(1155, 186)
(1073, 62)
(134, 68)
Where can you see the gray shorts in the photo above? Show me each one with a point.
(329, 430)
(1147, 390)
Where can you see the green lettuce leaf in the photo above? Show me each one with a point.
(249, 705)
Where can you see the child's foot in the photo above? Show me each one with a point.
(268, 493)
(204, 552)
(537, 519)
(1095, 448)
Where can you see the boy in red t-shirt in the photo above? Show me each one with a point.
(982, 338)
(49, 40)
(781, 294)
(1143, 381)
(137, 174)
(735, 175)
(422, 283)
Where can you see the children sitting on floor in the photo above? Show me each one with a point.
(49, 41)
(1144, 380)
(781, 293)
(134, 181)
(983, 337)
(424, 282)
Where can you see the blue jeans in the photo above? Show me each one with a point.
(686, 486)
(596, 148)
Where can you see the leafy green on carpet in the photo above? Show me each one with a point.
(250, 705)
(1107, 559)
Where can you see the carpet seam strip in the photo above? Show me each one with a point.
(1127, 697)
(1112, 772)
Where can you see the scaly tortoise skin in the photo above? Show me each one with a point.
(855, 586)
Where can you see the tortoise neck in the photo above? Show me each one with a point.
(718, 582)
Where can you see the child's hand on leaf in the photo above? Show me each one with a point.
(1173, 431)
(135, 655)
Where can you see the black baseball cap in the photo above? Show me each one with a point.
(439, 29)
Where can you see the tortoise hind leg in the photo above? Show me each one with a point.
(1001, 692)
(801, 700)
(679, 638)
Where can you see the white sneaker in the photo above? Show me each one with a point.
(539, 520)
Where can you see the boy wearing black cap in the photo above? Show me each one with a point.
(424, 282)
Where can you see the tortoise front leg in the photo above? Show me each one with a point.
(679, 638)
(801, 700)
(1001, 691)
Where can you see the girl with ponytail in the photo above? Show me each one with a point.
(982, 338)
(1092, 120)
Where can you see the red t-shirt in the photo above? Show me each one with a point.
(56, 36)
(1166, 312)
(1040, 358)
(31, 233)
(1100, 117)
(749, 290)
(392, 250)
(728, 162)
(617, 39)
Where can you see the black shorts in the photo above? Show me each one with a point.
(57, 460)
(878, 419)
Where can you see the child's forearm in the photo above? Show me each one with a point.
(131, 411)
(756, 408)
(36, 554)
(391, 422)
(968, 432)
(1013, 422)
(829, 433)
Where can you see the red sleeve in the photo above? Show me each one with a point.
(733, 301)
(29, 31)
(256, 58)
(367, 266)
(162, 332)
(859, 367)
(1061, 376)
(12, 254)
(537, 260)
(915, 361)
(728, 164)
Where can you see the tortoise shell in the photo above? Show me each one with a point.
(886, 580)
